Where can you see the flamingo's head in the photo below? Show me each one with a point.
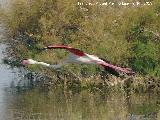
(28, 61)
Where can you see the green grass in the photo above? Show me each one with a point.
(126, 36)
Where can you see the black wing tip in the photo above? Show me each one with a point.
(132, 73)
(111, 71)
(128, 72)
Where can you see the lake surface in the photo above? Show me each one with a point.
(57, 104)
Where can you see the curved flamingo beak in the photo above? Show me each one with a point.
(25, 62)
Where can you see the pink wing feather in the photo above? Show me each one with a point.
(109, 67)
(70, 49)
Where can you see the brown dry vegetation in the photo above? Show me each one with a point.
(128, 36)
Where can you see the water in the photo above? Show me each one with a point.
(61, 105)
(7, 76)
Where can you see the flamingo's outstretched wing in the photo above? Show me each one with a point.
(113, 69)
(70, 49)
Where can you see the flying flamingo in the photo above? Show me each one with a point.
(78, 56)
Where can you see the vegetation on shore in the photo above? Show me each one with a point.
(125, 35)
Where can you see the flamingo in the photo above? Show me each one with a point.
(78, 56)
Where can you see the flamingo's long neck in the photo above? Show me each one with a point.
(43, 63)
(52, 66)
(49, 65)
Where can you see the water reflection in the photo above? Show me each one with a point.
(57, 104)
(61, 105)
(6, 76)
